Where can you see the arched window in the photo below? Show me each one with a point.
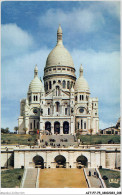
(54, 82)
(78, 125)
(65, 127)
(68, 84)
(37, 125)
(34, 124)
(71, 84)
(64, 84)
(57, 106)
(48, 111)
(59, 81)
(75, 98)
(30, 125)
(46, 86)
(84, 125)
(50, 85)
(48, 126)
(36, 97)
(65, 111)
(80, 97)
(81, 124)
(57, 91)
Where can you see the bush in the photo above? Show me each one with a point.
(99, 142)
(104, 177)
(19, 177)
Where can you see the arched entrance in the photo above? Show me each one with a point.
(82, 161)
(48, 126)
(60, 161)
(56, 127)
(39, 161)
(65, 127)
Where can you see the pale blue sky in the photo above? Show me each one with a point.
(91, 33)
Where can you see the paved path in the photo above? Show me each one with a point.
(30, 179)
(93, 180)
(62, 178)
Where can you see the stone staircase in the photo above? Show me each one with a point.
(63, 140)
(94, 179)
(30, 178)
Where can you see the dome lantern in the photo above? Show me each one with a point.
(35, 71)
(59, 35)
(81, 71)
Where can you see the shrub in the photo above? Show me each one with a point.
(104, 177)
(99, 142)
(19, 177)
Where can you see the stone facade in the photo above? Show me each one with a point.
(63, 105)
(107, 156)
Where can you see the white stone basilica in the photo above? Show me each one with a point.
(63, 105)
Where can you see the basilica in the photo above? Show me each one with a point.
(63, 104)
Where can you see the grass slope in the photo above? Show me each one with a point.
(9, 178)
(18, 139)
(111, 174)
(99, 139)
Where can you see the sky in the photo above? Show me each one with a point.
(91, 33)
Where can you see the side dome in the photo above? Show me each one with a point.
(81, 84)
(35, 85)
(59, 55)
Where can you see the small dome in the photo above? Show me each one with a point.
(59, 56)
(81, 83)
(36, 85)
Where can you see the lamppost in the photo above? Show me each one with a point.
(7, 156)
(115, 158)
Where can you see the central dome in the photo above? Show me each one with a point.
(59, 56)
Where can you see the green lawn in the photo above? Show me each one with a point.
(99, 139)
(111, 174)
(9, 178)
(18, 139)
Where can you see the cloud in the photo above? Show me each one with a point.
(14, 40)
(102, 71)
(18, 72)
(81, 20)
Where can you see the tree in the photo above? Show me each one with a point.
(6, 130)
(25, 129)
(91, 131)
(16, 129)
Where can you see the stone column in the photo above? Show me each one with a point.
(52, 129)
(88, 126)
(61, 127)
(41, 124)
(27, 124)
(72, 126)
